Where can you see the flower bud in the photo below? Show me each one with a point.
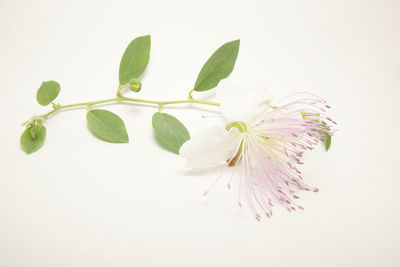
(135, 85)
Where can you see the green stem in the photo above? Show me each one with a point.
(128, 99)
(190, 94)
(119, 90)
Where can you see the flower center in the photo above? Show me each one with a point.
(242, 127)
(233, 161)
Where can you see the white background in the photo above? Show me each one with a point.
(82, 202)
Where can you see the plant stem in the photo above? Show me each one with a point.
(190, 94)
(128, 99)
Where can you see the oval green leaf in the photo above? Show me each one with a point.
(135, 59)
(107, 126)
(218, 66)
(30, 144)
(47, 92)
(169, 131)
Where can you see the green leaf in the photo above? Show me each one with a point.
(169, 131)
(218, 66)
(47, 92)
(135, 59)
(29, 143)
(107, 126)
(327, 141)
(328, 138)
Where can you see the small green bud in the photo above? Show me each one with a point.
(135, 85)
(35, 126)
(34, 131)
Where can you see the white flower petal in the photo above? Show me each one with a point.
(210, 147)
(242, 101)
